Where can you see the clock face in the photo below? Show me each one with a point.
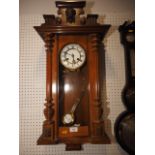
(72, 56)
(68, 119)
(130, 37)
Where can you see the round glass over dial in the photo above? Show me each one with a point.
(68, 118)
(72, 56)
(130, 37)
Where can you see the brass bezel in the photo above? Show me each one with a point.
(69, 68)
(72, 115)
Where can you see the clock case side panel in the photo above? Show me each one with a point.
(50, 130)
(98, 134)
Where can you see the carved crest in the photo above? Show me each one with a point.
(70, 13)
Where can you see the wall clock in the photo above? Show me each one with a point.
(127, 31)
(73, 109)
(125, 123)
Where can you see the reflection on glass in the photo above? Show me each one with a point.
(67, 87)
(54, 88)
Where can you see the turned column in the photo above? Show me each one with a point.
(49, 126)
(96, 111)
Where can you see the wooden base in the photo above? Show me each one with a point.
(47, 136)
(81, 131)
(71, 136)
(74, 140)
(73, 147)
(83, 140)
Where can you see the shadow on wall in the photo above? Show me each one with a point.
(103, 95)
(110, 32)
(105, 103)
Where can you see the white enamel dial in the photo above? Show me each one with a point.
(72, 56)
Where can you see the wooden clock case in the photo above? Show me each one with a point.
(127, 34)
(71, 27)
(125, 123)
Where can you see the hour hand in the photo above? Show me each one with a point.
(66, 59)
(74, 62)
(79, 59)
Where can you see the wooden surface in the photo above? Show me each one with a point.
(59, 101)
(73, 131)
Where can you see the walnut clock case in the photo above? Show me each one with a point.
(73, 108)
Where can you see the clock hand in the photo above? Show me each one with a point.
(79, 59)
(72, 56)
(66, 53)
(69, 54)
(74, 62)
(66, 59)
